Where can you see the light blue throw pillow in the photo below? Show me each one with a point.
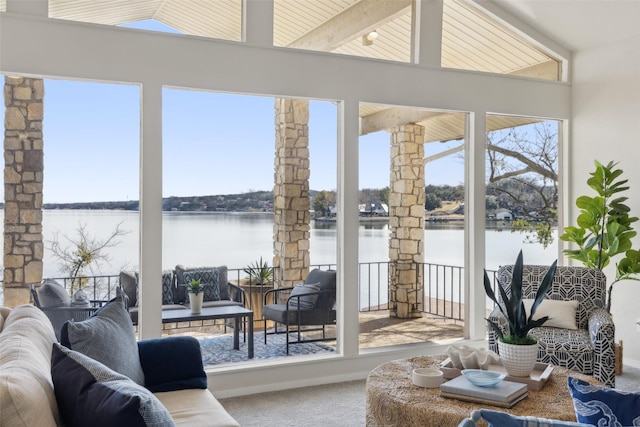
(107, 337)
(604, 406)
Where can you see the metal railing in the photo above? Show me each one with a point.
(442, 287)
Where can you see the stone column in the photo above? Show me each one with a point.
(291, 208)
(406, 221)
(23, 173)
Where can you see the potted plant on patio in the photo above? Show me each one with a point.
(196, 294)
(517, 348)
(259, 273)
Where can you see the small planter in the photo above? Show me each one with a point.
(518, 360)
(195, 302)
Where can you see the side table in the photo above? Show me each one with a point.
(393, 400)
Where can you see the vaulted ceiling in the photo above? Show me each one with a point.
(471, 39)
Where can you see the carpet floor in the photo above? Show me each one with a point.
(219, 350)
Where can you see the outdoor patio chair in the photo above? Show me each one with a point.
(580, 333)
(306, 307)
(64, 310)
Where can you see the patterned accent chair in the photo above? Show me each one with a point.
(589, 349)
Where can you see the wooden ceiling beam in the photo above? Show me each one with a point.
(354, 21)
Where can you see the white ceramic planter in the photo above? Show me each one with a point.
(518, 360)
(195, 302)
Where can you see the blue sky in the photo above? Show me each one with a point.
(213, 143)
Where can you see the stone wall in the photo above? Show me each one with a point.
(406, 221)
(23, 174)
(291, 208)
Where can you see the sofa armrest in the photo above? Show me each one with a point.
(602, 332)
(172, 363)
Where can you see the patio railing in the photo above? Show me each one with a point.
(442, 296)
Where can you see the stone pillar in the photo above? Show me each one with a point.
(23, 169)
(291, 208)
(406, 221)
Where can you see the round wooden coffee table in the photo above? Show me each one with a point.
(393, 400)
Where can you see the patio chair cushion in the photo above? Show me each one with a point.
(327, 281)
(209, 279)
(52, 294)
(129, 284)
(304, 296)
(109, 338)
(89, 393)
(180, 294)
(168, 281)
(80, 299)
(604, 406)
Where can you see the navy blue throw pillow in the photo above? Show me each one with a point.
(90, 394)
(161, 372)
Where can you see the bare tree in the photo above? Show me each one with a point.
(522, 172)
(83, 251)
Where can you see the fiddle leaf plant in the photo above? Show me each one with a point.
(513, 309)
(604, 227)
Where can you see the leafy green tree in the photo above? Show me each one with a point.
(432, 202)
(322, 202)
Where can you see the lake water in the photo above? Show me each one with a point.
(238, 239)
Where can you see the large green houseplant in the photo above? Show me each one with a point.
(518, 361)
(604, 227)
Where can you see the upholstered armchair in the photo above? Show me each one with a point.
(306, 307)
(580, 334)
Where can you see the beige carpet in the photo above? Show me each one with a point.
(339, 405)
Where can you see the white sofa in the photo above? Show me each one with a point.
(27, 395)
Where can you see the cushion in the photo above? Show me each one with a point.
(52, 294)
(197, 407)
(327, 281)
(26, 390)
(129, 284)
(503, 419)
(91, 394)
(562, 314)
(307, 293)
(209, 279)
(603, 406)
(167, 287)
(108, 337)
(80, 299)
(223, 284)
(162, 373)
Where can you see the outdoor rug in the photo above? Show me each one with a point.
(219, 350)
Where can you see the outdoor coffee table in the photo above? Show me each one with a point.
(208, 313)
(393, 399)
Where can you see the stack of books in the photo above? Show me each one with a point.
(505, 394)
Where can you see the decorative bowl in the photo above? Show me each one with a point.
(483, 378)
(427, 377)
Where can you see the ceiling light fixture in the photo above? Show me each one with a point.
(368, 38)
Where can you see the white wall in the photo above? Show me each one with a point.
(606, 127)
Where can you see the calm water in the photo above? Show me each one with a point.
(238, 239)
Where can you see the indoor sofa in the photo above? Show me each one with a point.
(43, 383)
